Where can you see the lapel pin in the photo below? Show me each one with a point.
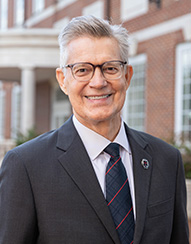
(145, 163)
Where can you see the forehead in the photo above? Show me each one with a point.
(94, 50)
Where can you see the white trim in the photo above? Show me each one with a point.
(46, 13)
(3, 14)
(29, 57)
(60, 24)
(15, 111)
(95, 9)
(2, 111)
(60, 110)
(133, 8)
(29, 32)
(179, 89)
(141, 58)
(37, 6)
(19, 12)
(64, 3)
(166, 27)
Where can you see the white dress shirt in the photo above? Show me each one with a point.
(95, 144)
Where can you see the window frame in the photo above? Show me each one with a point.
(15, 111)
(3, 14)
(2, 111)
(178, 118)
(131, 9)
(19, 11)
(96, 9)
(60, 108)
(136, 60)
(36, 7)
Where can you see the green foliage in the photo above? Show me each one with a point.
(186, 158)
(185, 149)
(21, 138)
(187, 168)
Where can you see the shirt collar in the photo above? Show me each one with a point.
(89, 137)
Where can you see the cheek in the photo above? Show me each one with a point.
(74, 93)
(121, 94)
(122, 87)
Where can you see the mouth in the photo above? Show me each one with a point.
(98, 97)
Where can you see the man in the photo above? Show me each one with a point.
(58, 188)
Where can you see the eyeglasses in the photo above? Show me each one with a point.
(110, 70)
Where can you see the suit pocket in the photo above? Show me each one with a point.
(160, 208)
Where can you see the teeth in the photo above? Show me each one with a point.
(98, 97)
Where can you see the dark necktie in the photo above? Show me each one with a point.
(118, 195)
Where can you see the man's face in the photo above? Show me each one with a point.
(96, 100)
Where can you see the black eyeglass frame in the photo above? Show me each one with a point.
(123, 63)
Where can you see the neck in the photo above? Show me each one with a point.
(108, 129)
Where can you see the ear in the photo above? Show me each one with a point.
(128, 75)
(61, 80)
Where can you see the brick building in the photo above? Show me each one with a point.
(159, 99)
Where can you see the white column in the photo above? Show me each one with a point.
(27, 99)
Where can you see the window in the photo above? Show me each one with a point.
(95, 9)
(61, 108)
(183, 92)
(19, 12)
(133, 8)
(16, 111)
(2, 111)
(134, 108)
(61, 23)
(3, 14)
(38, 6)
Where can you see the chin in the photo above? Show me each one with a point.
(103, 117)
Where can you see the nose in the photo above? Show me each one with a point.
(98, 80)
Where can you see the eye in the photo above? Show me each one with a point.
(82, 70)
(111, 69)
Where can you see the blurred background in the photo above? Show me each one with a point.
(159, 98)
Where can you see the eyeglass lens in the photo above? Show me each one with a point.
(85, 71)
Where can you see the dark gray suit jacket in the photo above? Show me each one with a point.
(49, 193)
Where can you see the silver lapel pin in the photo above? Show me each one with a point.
(145, 163)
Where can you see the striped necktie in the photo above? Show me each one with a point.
(118, 195)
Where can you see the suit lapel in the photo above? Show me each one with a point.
(76, 162)
(141, 180)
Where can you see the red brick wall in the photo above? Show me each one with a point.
(8, 86)
(70, 11)
(50, 2)
(160, 51)
(28, 9)
(10, 13)
(160, 83)
(170, 9)
(43, 105)
(160, 77)
(8, 89)
(115, 11)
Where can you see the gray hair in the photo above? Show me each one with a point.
(93, 27)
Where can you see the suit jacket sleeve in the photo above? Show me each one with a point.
(17, 212)
(180, 225)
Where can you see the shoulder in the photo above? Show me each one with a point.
(151, 143)
(43, 146)
(30, 150)
(45, 142)
(165, 158)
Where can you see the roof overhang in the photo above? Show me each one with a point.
(28, 48)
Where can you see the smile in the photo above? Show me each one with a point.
(98, 97)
